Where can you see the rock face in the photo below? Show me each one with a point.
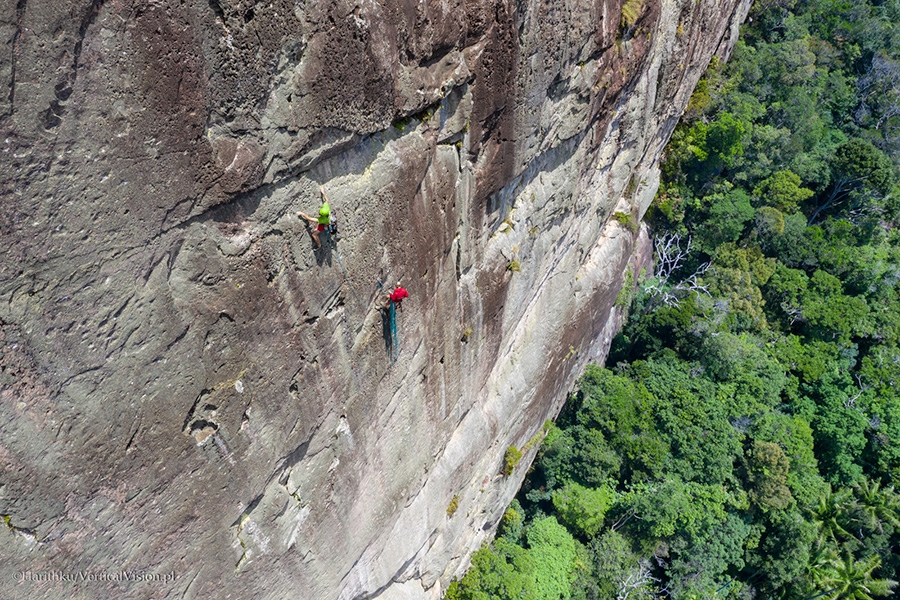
(194, 403)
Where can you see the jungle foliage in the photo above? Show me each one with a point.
(745, 440)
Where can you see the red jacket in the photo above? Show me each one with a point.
(399, 294)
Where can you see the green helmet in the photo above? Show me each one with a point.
(324, 213)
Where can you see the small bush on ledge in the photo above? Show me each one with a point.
(453, 506)
(510, 460)
(631, 11)
(627, 221)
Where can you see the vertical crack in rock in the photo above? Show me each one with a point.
(20, 14)
(285, 464)
(137, 428)
(249, 510)
(247, 531)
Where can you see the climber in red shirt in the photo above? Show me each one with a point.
(396, 297)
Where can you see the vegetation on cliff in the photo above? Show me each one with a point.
(745, 440)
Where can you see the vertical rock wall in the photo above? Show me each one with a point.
(187, 388)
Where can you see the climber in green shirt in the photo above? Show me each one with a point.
(324, 220)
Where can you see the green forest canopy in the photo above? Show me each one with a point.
(745, 441)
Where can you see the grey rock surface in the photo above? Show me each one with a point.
(193, 402)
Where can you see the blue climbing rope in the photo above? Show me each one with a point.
(395, 342)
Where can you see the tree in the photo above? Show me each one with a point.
(666, 287)
(674, 507)
(877, 506)
(724, 137)
(767, 469)
(504, 574)
(852, 579)
(839, 428)
(749, 259)
(794, 436)
(704, 149)
(553, 552)
(698, 565)
(769, 222)
(785, 290)
(618, 409)
(555, 461)
(861, 172)
(831, 516)
(596, 459)
(583, 509)
(783, 552)
(638, 583)
(755, 380)
(727, 215)
(512, 524)
(613, 561)
(783, 191)
(692, 420)
(819, 570)
(879, 106)
(742, 301)
(832, 315)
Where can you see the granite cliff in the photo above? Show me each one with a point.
(192, 396)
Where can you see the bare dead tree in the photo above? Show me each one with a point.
(878, 102)
(639, 583)
(880, 85)
(794, 313)
(851, 402)
(669, 254)
(624, 519)
(839, 192)
(670, 257)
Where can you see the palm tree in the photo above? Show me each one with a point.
(877, 505)
(830, 514)
(822, 560)
(850, 579)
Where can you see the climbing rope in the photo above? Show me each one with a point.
(395, 342)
